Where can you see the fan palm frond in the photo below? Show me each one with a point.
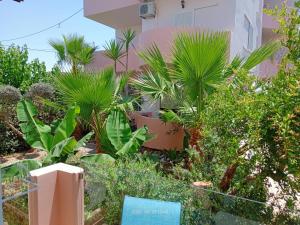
(199, 61)
(155, 61)
(90, 92)
(259, 55)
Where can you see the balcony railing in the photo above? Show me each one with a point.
(106, 187)
(14, 192)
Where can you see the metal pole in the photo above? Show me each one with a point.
(1, 202)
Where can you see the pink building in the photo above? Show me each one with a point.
(159, 20)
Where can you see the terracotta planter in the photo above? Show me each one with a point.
(167, 136)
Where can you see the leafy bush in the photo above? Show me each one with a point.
(15, 70)
(9, 135)
(108, 183)
(40, 90)
(9, 95)
(251, 133)
(139, 179)
(8, 141)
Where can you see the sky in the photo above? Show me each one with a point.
(29, 16)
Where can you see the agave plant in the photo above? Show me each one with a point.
(74, 51)
(199, 66)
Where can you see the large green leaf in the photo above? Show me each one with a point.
(64, 148)
(20, 168)
(135, 142)
(66, 126)
(36, 134)
(118, 129)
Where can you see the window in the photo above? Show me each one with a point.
(249, 29)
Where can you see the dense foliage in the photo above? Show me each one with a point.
(251, 135)
(246, 129)
(135, 178)
(98, 95)
(17, 71)
(197, 70)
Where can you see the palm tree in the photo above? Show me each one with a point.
(114, 51)
(95, 94)
(73, 51)
(128, 37)
(199, 65)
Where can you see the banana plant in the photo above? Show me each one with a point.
(56, 139)
(119, 133)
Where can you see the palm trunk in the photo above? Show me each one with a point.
(97, 125)
(77, 132)
(115, 67)
(74, 69)
(195, 137)
(126, 86)
(99, 149)
(228, 177)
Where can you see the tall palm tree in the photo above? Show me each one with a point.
(95, 94)
(199, 66)
(114, 51)
(128, 37)
(74, 51)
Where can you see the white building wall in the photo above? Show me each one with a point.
(252, 10)
(213, 15)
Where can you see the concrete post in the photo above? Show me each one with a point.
(59, 196)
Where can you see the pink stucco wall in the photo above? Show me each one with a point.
(162, 37)
(100, 6)
(269, 22)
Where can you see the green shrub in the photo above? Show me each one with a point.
(138, 179)
(40, 90)
(17, 71)
(107, 184)
(8, 141)
(9, 95)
